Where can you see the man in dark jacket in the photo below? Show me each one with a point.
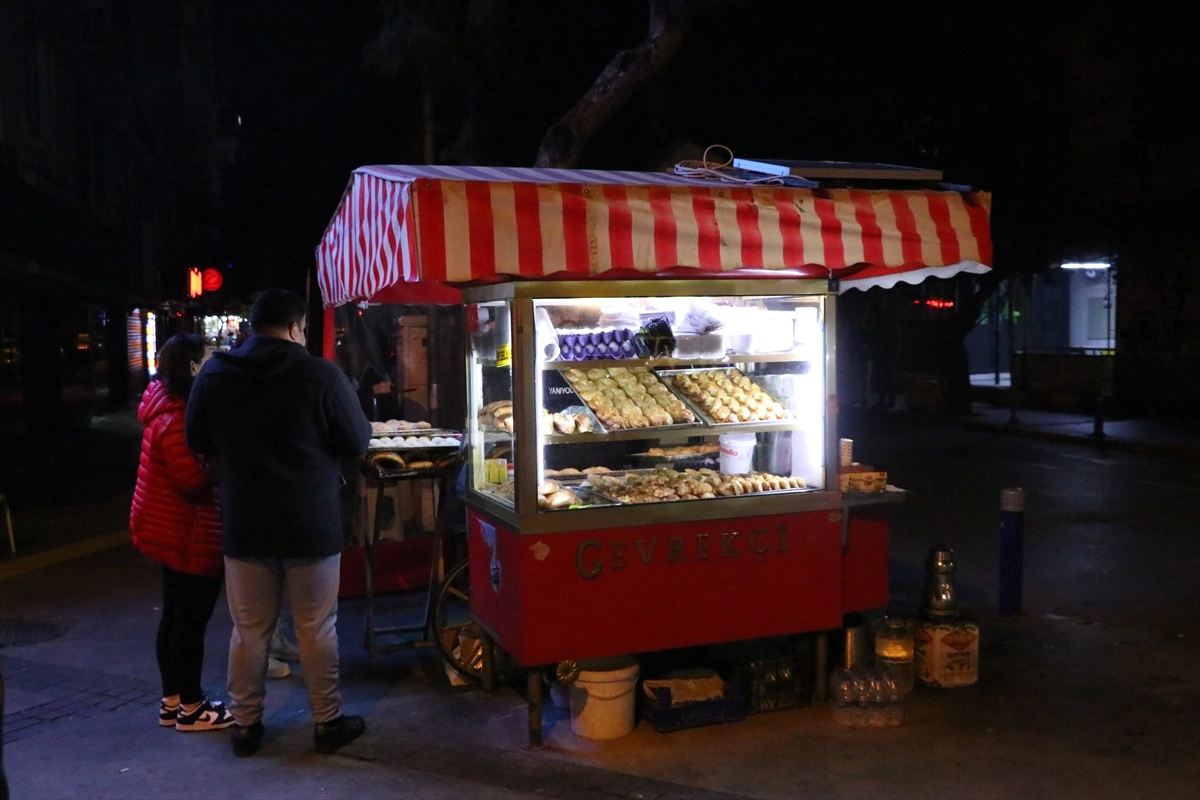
(278, 420)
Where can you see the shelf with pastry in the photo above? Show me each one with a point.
(654, 409)
(667, 361)
(667, 485)
(623, 398)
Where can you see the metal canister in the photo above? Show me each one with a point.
(938, 600)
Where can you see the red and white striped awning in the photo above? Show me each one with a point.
(463, 224)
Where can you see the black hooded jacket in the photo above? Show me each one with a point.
(278, 420)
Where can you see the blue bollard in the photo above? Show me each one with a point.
(1012, 549)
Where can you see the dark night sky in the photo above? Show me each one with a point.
(977, 92)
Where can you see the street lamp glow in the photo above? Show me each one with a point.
(1085, 265)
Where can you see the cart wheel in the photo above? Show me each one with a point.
(458, 638)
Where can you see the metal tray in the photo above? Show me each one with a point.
(768, 493)
(714, 453)
(420, 432)
(588, 498)
(399, 448)
(698, 409)
(601, 428)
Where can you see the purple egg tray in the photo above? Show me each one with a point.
(600, 345)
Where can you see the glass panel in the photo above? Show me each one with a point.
(656, 399)
(490, 419)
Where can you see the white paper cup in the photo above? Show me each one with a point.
(846, 452)
(737, 453)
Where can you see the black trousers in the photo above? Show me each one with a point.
(188, 602)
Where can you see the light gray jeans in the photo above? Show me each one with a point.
(254, 587)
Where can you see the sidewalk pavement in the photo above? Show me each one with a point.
(1064, 709)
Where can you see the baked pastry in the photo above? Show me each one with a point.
(420, 465)
(386, 461)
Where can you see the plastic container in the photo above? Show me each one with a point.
(658, 711)
(775, 684)
(603, 698)
(842, 697)
(864, 698)
(737, 453)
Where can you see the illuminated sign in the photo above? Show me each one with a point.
(195, 283)
(211, 280)
(934, 302)
(151, 344)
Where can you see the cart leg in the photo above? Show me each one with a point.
(489, 665)
(370, 557)
(821, 667)
(437, 565)
(534, 691)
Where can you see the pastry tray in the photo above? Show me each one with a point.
(672, 458)
(770, 493)
(601, 428)
(589, 497)
(412, 448)
(417, 432)
(698, 409)
(616, 474)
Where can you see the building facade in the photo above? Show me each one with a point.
(113, 151)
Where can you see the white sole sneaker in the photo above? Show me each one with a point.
(208, 716)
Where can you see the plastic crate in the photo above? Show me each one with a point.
(775, 684)
(657, 710)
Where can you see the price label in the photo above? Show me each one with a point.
(504, 355)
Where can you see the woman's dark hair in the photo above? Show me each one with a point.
(175, 362)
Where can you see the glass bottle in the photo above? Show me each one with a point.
(894, 651)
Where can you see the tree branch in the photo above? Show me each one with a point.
(564, 142)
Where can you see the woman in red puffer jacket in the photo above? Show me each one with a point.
(176, 521)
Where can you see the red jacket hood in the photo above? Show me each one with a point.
(157, 400)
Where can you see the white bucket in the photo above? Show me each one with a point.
(737, 453)
(602, 698)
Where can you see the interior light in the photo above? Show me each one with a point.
(1085, 265)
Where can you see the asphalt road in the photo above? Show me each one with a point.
(1109, 538)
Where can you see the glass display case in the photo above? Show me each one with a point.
(603, 404)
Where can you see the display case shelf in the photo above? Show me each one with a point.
(700, 429)
(761, 358)
(523, 318)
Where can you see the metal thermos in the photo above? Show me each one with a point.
(938, 600)
(857, 651)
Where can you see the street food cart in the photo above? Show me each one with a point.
(620, 328)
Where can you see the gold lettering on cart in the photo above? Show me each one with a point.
(592, 556)
(675, 548)
(755, 547)
(727, 548)
(646, 556)
(595, 567)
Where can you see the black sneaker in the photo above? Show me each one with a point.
(329, 736)
(247, 739)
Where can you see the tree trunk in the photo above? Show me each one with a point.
(428, 148)
(564, 142)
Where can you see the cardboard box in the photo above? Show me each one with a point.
(862, 482)
(947, 653)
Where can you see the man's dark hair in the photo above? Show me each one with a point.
(277, 309)
(175, 362)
